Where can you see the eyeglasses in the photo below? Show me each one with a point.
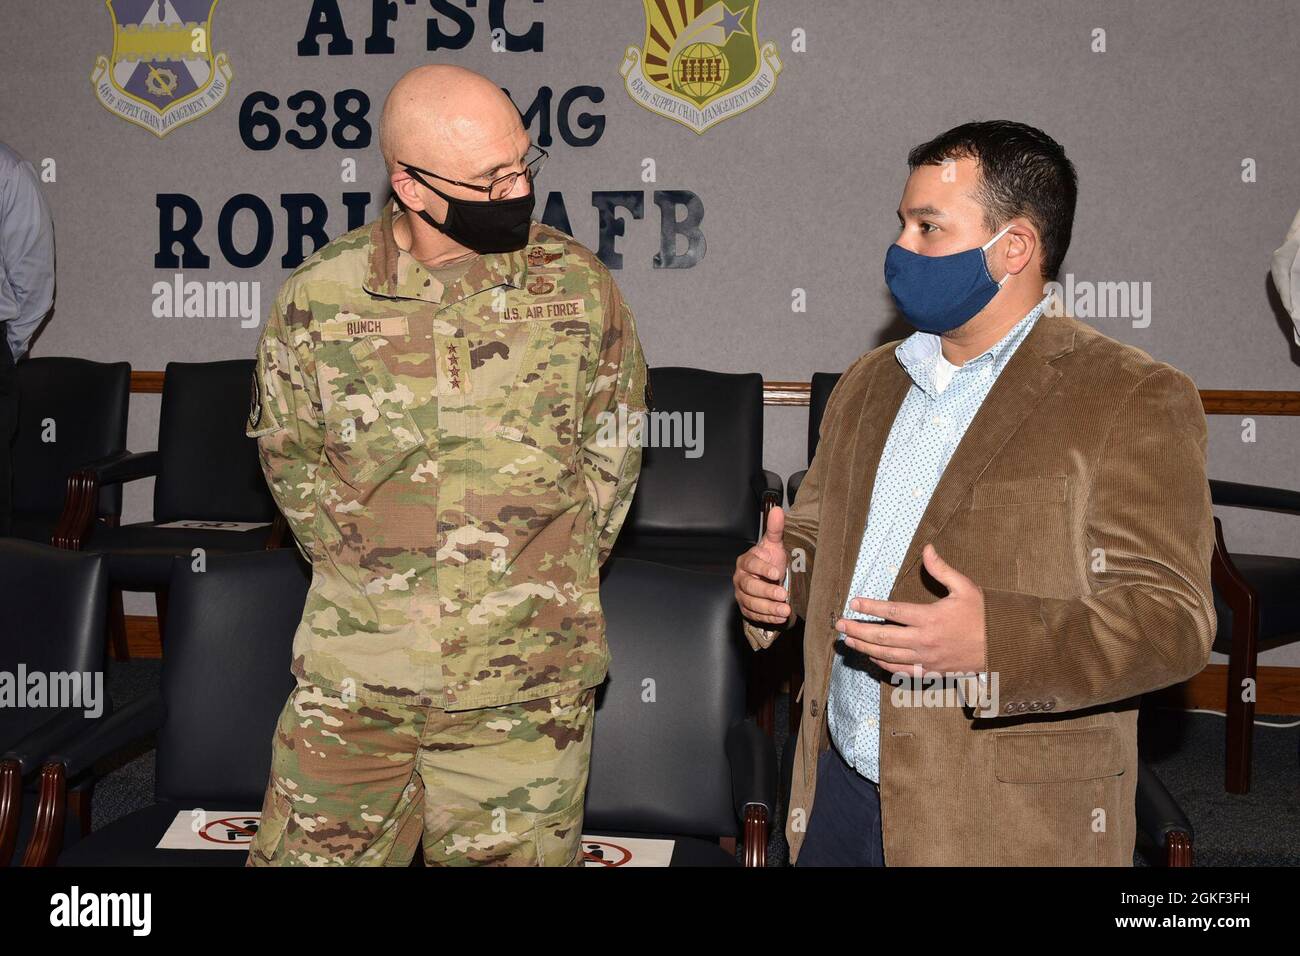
(502, 186)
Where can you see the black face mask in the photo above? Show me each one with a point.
(493, 225)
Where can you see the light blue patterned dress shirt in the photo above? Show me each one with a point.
(927, 430)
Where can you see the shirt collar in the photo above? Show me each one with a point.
(920, 350)
(396, 274)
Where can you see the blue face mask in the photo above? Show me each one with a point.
(939, 293)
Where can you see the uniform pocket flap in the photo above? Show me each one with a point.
(1048, 756)
(1026, 491)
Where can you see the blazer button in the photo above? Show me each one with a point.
(1009, 709)
(812, 707)
(1034, 705)
(1048, 704)
(1023, 707)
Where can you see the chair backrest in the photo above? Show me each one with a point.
(54, 607)
(83, 406)
(225, 674)
(710, 494)
(676, 684)
(208, 468)
(823, 383)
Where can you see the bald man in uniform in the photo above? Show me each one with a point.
(430, 404)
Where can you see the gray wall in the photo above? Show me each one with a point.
(798, 192)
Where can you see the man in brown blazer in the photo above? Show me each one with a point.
(1002, 542)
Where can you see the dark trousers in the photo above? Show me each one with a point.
(844, 827)
(8, 426)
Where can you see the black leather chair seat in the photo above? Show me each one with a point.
(1276, 581)
(140, 555)
(17, 722)
(133, 840)
(35, 525)
(698, 552)
(687, 851)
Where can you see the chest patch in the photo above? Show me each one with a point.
(351, 326)
(552, 309)
(545, 255)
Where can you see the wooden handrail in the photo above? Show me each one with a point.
(146, 383)
(1245, 402)
(1216, 401)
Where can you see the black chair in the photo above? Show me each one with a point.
(71, 413)
(205, 469)
(823, 383)
(1164, 834)
(54, 604)
(225, 678)
(687, 765)
(703, 512)
(1257, 600)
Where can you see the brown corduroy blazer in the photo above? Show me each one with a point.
(1078, 502)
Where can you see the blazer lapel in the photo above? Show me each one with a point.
(1026, 379)
(880, 405)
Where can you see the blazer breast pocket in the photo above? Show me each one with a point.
(1019, 492)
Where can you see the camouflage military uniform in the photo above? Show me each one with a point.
(357, 784)
(444, 459)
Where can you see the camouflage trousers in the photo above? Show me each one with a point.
(358, 783)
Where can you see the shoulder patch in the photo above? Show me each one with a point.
(255, 400)
(261, 418)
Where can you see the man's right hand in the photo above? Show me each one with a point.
(760, 572)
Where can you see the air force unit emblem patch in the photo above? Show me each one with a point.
(162, 72)
(255, 400)
(701, 62)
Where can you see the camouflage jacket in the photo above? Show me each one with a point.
(446, 461)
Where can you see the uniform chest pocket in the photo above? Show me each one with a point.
(517, 380)
(369, 426)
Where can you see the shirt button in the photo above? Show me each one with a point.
(917, 492)
(893, 569)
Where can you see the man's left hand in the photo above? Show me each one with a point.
(945, 636)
